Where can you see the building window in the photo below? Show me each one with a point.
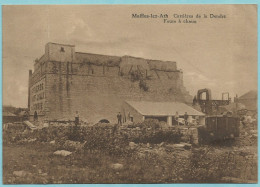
(62, 49)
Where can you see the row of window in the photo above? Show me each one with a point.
(37, 106)
(37, 88)
(39, 96)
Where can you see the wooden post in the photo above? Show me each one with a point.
(169, 120)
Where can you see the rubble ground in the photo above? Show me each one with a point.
(53, 156)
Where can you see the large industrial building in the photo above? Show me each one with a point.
(64, 81)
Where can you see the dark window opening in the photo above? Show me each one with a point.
(104, 121)
(159, 118)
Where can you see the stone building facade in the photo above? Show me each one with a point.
(65, 81)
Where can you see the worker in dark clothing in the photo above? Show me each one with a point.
(119, 118)
(186, 118)
(243, 119)
(176, 117)
(75, 129)
(35, 116)
(119, 122)
(77, 118)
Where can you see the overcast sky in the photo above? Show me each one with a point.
(220, 54)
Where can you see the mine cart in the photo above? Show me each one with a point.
(218, 128)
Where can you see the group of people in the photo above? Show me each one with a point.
(185, 117)
(176, 117)
(119, 118)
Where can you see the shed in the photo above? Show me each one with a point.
(9, 117)
(138, 111)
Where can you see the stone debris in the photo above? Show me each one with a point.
(161, 144)
(175, 147)
(31, 140)
(28, 140)
(132, 145)
(20, 173)
(117, 166)
(62, 153)
(30, 125)
(73, 145)
(141, 154)
(44, 125)
(52, 142)
(253, 132)
(243, 148)
(44, 174)
(187, 145)
(178, 145)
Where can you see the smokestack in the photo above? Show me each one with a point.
(29, 86)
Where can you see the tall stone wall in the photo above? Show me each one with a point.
(98, 85)
(100, 96)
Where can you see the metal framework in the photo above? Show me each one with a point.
(209, 106)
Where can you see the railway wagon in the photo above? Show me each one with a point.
(218, 128)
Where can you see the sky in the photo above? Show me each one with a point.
(215, 53)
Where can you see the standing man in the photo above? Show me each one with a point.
(177, 117)
(243, 120)
(35, 116)
(119, 118)
(119, 122)
(75, 132)
(186, 118)
(77, 118)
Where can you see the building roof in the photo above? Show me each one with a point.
(147, 108)
(8, 114)
(249, 99)
(61, 44)
(249, 95)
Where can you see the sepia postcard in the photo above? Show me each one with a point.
(129, 94)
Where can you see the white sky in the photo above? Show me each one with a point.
(220, 54)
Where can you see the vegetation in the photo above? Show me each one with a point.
(152, 158)
(143, 85)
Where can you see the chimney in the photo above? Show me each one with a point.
(29, 86)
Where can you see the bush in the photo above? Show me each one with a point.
(208, 167)
(143, 85)
(148, 123)
(135, 76)
(159, 137)
(152, 132)
(101, 139)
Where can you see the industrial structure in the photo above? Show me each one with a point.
(208, 105)
(64, 81)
